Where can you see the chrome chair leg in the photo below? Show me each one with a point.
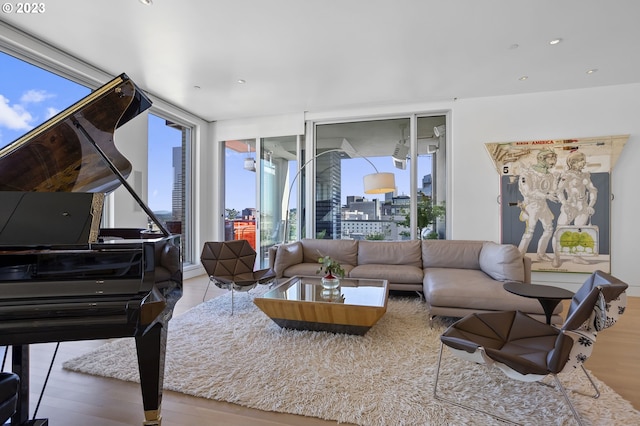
(566, 398)
(559, 385)
(206, 290)
(597, 394)
(457, 404)
(230, 288)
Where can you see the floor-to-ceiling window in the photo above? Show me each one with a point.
(240, 183)
(168, 190)
(259, 216)
(278, 155)
(346, 151)
(432, 186)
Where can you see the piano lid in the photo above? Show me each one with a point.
(63, 154)
(74, 151)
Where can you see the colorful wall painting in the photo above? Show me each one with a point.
(555, 198)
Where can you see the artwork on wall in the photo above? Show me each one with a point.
(555, 198)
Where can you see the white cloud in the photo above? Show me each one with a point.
(35, 96)
(14, 117)
(51, 112)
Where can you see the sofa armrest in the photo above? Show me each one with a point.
(527, 269)
(284, 256)
(502, 262)
(273, 250)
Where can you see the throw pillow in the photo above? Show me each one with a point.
(502, 262)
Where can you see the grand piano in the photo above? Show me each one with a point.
(63, 275)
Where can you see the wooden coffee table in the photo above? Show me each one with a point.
(302, 303)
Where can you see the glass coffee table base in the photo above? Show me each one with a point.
(319, 326)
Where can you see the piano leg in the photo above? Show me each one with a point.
(20, 366)
(151, 349)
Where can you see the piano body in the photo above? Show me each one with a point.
(62, 277)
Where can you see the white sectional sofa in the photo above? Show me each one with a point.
(456, 277)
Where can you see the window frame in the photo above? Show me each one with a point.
(311, 146)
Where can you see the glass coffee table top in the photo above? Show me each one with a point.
(362, 292)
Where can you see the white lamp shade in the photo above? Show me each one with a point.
(379, 183)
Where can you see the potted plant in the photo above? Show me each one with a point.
(332, 272)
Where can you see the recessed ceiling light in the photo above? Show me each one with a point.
(523, 78)
(592, 70)
(555, 41)
(241, 81)
(147, 2)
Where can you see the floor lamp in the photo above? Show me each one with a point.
(374, 183)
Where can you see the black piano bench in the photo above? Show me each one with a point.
(9, 383)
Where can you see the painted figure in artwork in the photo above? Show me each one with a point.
(578, 196)
(538, 185)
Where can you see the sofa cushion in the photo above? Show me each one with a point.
(287, 255)
(473, 289)
(397, 274)
(502, 262)
(460, 254)
(310, 270)
(343, 251)
(390, 253)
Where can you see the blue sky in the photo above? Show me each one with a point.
(29, 96)
(162, 140)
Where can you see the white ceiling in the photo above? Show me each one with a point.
(319, 55)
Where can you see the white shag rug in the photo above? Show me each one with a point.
(382, 378)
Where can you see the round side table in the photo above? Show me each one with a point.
(548, 296)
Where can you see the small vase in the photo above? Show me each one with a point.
(330, 282)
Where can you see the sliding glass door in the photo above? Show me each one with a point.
(278, 154)
(240, 191)
(407, 147)
(259, 216)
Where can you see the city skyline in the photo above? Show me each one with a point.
(353, 170)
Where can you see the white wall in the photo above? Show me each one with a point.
(126, 212)
(552, 115)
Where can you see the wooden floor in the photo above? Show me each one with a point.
(74, 399)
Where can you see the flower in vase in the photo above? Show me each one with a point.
(330, 267)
